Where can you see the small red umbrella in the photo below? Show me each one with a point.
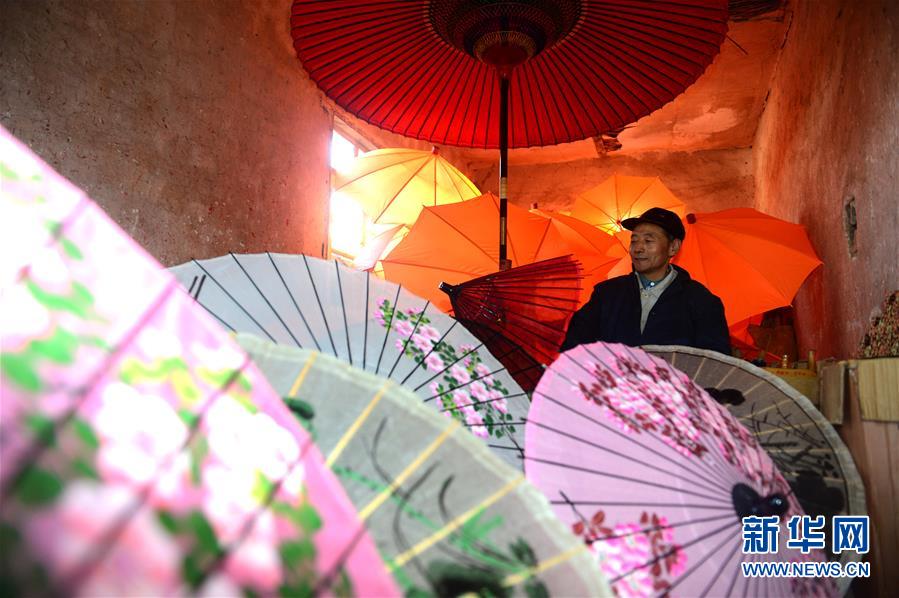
(528, 306)
(498, 74)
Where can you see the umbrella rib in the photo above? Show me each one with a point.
(401, 189)
(716, 461)
(730, 558)
(40, 442)
(424, 72)
(628, 457)
(365, 319)
(387, 328)
(413, 156)
(712, 553)
(644, 504)
(607, 428)
(714, 472)
(452, 179)
(463, 235)
(346, 327)
(321, 307)
(713, 499)
(659, 527)
(235, 301)
(294, 300)
(452, 66)
(418, 320)
(637, 198)
(669, 552)
(265, 298)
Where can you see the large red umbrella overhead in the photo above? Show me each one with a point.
(499, 74)
(576, 68)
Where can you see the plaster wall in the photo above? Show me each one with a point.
(830, 132)
(704, 180)
(191, 123)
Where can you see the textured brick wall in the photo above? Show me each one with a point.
(190, 122)
(830, 131)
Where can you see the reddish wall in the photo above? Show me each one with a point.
(831, 131)
(191, 123)
(704, 181)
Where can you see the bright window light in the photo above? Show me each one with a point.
(347, 228)
(342, 152)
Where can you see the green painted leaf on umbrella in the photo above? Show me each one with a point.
(198, 451)
(308, 518)
(262, 488)
(85, 469)
(207, 543)
(191, 571)
(344, 586)
(296, 552)
(302, 409)
(188, 417)
(71, 249)
(184, 387)
(301, 589)
(475, 530)
(523, 552)
(535, 589)
(85, 433)
(168, 521)
(21, 371)
(78, 302)
(59, 348)
(8, 173)
(43, 428)
(38, 486)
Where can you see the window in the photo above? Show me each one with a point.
(349, 228)
(346, 229)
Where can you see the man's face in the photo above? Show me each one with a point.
(650, 250)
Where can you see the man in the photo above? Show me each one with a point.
(658, 304)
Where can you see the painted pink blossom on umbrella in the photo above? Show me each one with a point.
(143, 560)
(404, 328)
(434, 362)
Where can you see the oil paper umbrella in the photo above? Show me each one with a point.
(752, 261)
(505, 74)
(457, 242)
(798, 438)
(393, 184)
(656, 477)
(448, 517)
(142, 452)
(597, 251)
(620, 197)
(529, 306)
(368, 322)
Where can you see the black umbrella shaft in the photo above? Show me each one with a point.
(503, 168)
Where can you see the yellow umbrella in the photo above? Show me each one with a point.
(392, 185)
(619, 197)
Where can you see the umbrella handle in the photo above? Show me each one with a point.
(504, 264)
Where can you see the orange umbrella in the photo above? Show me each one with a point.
(455, 243)
(597, 251)
(752, 261)
(619, 197)
(393, 184)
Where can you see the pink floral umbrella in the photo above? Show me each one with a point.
(656, 477)
(142, 452)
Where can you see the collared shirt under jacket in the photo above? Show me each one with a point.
(686, 313)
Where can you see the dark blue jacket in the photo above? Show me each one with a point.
(686, 313)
